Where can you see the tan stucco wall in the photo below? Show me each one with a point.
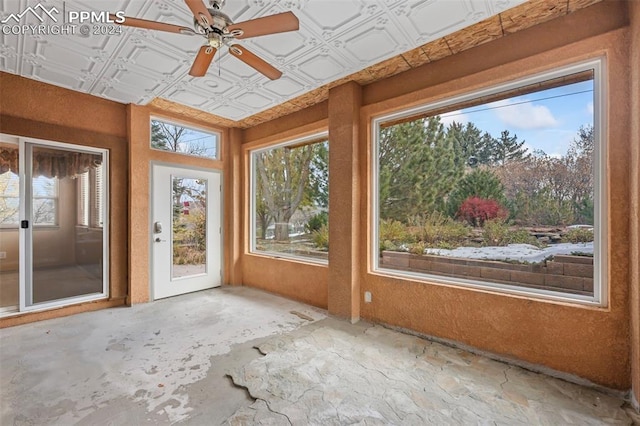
(344, 200)
(634, 298)
(33, 109)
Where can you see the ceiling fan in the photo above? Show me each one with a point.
(218, 29)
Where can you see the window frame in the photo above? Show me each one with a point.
(317, 137)
(217, 134)
(600, 291)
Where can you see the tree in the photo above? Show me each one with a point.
(507, 148)
(169, 137)
(283, 176)
(469, 141)
(545, 190)
(418, 168)
(480, 183)
(319, 176)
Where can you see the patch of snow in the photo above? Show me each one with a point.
(517, 252)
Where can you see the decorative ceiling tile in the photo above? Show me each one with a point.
(370, 45)
(322, 68)
(330, 15)
(336, 39)
(188, 97)
(432, 18)
(229, 111)
(284, 86)
(252, 100)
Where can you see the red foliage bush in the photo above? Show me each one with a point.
(477, 211)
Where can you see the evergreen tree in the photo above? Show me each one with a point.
(418, 168)
(481, 183)
(318, 193)
(507, 148)
(469, 141)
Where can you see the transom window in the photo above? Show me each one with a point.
(173, 137)
(501, 188)
(290, 199)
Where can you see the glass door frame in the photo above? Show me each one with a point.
(25, 247)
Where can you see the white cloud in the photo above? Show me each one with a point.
(590, 108)
(524, 115)
(458, 116)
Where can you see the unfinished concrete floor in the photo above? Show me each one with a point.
(175, 361)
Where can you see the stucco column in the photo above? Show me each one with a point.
(139, 136)
(233, 199)
(634, 57)
(344, 196)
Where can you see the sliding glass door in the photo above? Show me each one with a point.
(61, 224)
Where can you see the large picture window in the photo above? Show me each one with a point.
(173, 137)
(500, 188)
(290, 199)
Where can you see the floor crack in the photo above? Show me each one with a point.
(275, 412)
(506, 378)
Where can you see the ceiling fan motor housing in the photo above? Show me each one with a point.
(219, 24)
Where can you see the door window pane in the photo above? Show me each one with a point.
(189, 236)
(67, 259)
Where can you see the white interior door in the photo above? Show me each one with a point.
(185, 230)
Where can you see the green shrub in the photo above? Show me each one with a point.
(498, 233)
(439, 229)
(317, 221)
(418, 248)
(495, 233)
(578, 235)
(479, 183)
(321, 237)
(394, 231)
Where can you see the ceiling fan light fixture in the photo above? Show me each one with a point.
(214, 40)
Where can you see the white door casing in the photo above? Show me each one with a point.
(169, 278)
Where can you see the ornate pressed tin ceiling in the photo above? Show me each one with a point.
(337, 38)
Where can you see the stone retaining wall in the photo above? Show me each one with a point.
(570, 274)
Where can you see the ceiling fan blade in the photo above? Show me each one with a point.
(279, 23)
(255, 62)
(200, 12)
(202, 61)
(153, 25)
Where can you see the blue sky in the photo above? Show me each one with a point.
(548, 120)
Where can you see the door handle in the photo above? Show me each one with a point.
(158, 240)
